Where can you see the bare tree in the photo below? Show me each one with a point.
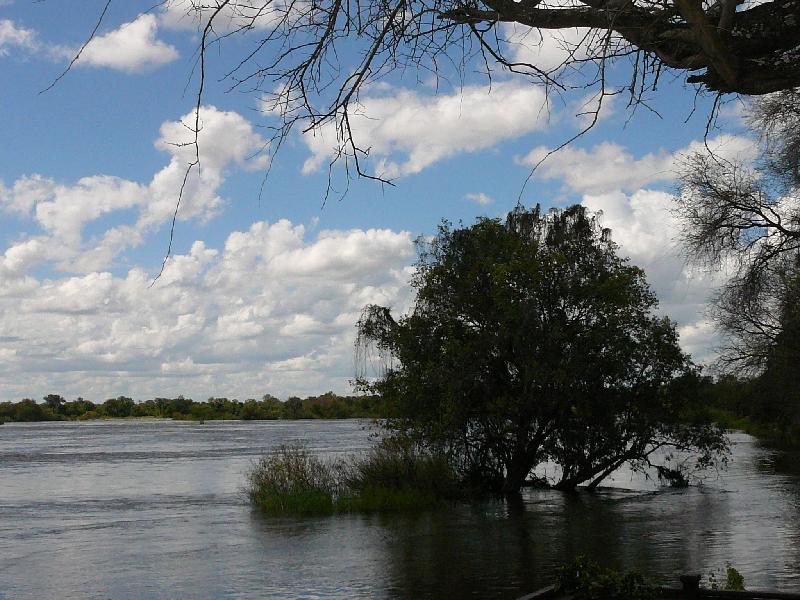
(747, 216)
(754, 311)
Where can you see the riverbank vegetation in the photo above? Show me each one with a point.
(326, 406)
(764, 408)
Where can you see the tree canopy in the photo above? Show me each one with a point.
(531, 341)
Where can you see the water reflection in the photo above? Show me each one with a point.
(153, 510)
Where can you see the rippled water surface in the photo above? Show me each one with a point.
(152, 509)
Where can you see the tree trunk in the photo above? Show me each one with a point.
(516, 475)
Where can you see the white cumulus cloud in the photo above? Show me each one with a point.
(548, 49)
(407, 131)
(609, 166)
(480, 198)
(63, 211)
(233, 16)
(131, 47)
(647, 231)
(12, 35)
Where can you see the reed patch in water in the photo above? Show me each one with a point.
(391, 477)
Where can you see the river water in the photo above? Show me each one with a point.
(153, 509)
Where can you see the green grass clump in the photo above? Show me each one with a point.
(399, 466)
(306, 502)
(293, 481)
(378, 499)
(391, 477)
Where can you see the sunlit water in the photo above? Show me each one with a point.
(153, 509)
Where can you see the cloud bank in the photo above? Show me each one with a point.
(272, 311)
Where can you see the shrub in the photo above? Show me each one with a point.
(397, 464)
(28, 410)
(733, 580)
(292, 481)
(586, 580)
(118, 407)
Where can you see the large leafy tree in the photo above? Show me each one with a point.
(532, 340)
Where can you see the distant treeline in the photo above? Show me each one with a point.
(751, 405)
(326, 406)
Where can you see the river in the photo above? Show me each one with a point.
(153, 509)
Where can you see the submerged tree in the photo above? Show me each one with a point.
(529, 341)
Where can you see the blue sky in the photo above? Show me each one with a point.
(263, 289)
